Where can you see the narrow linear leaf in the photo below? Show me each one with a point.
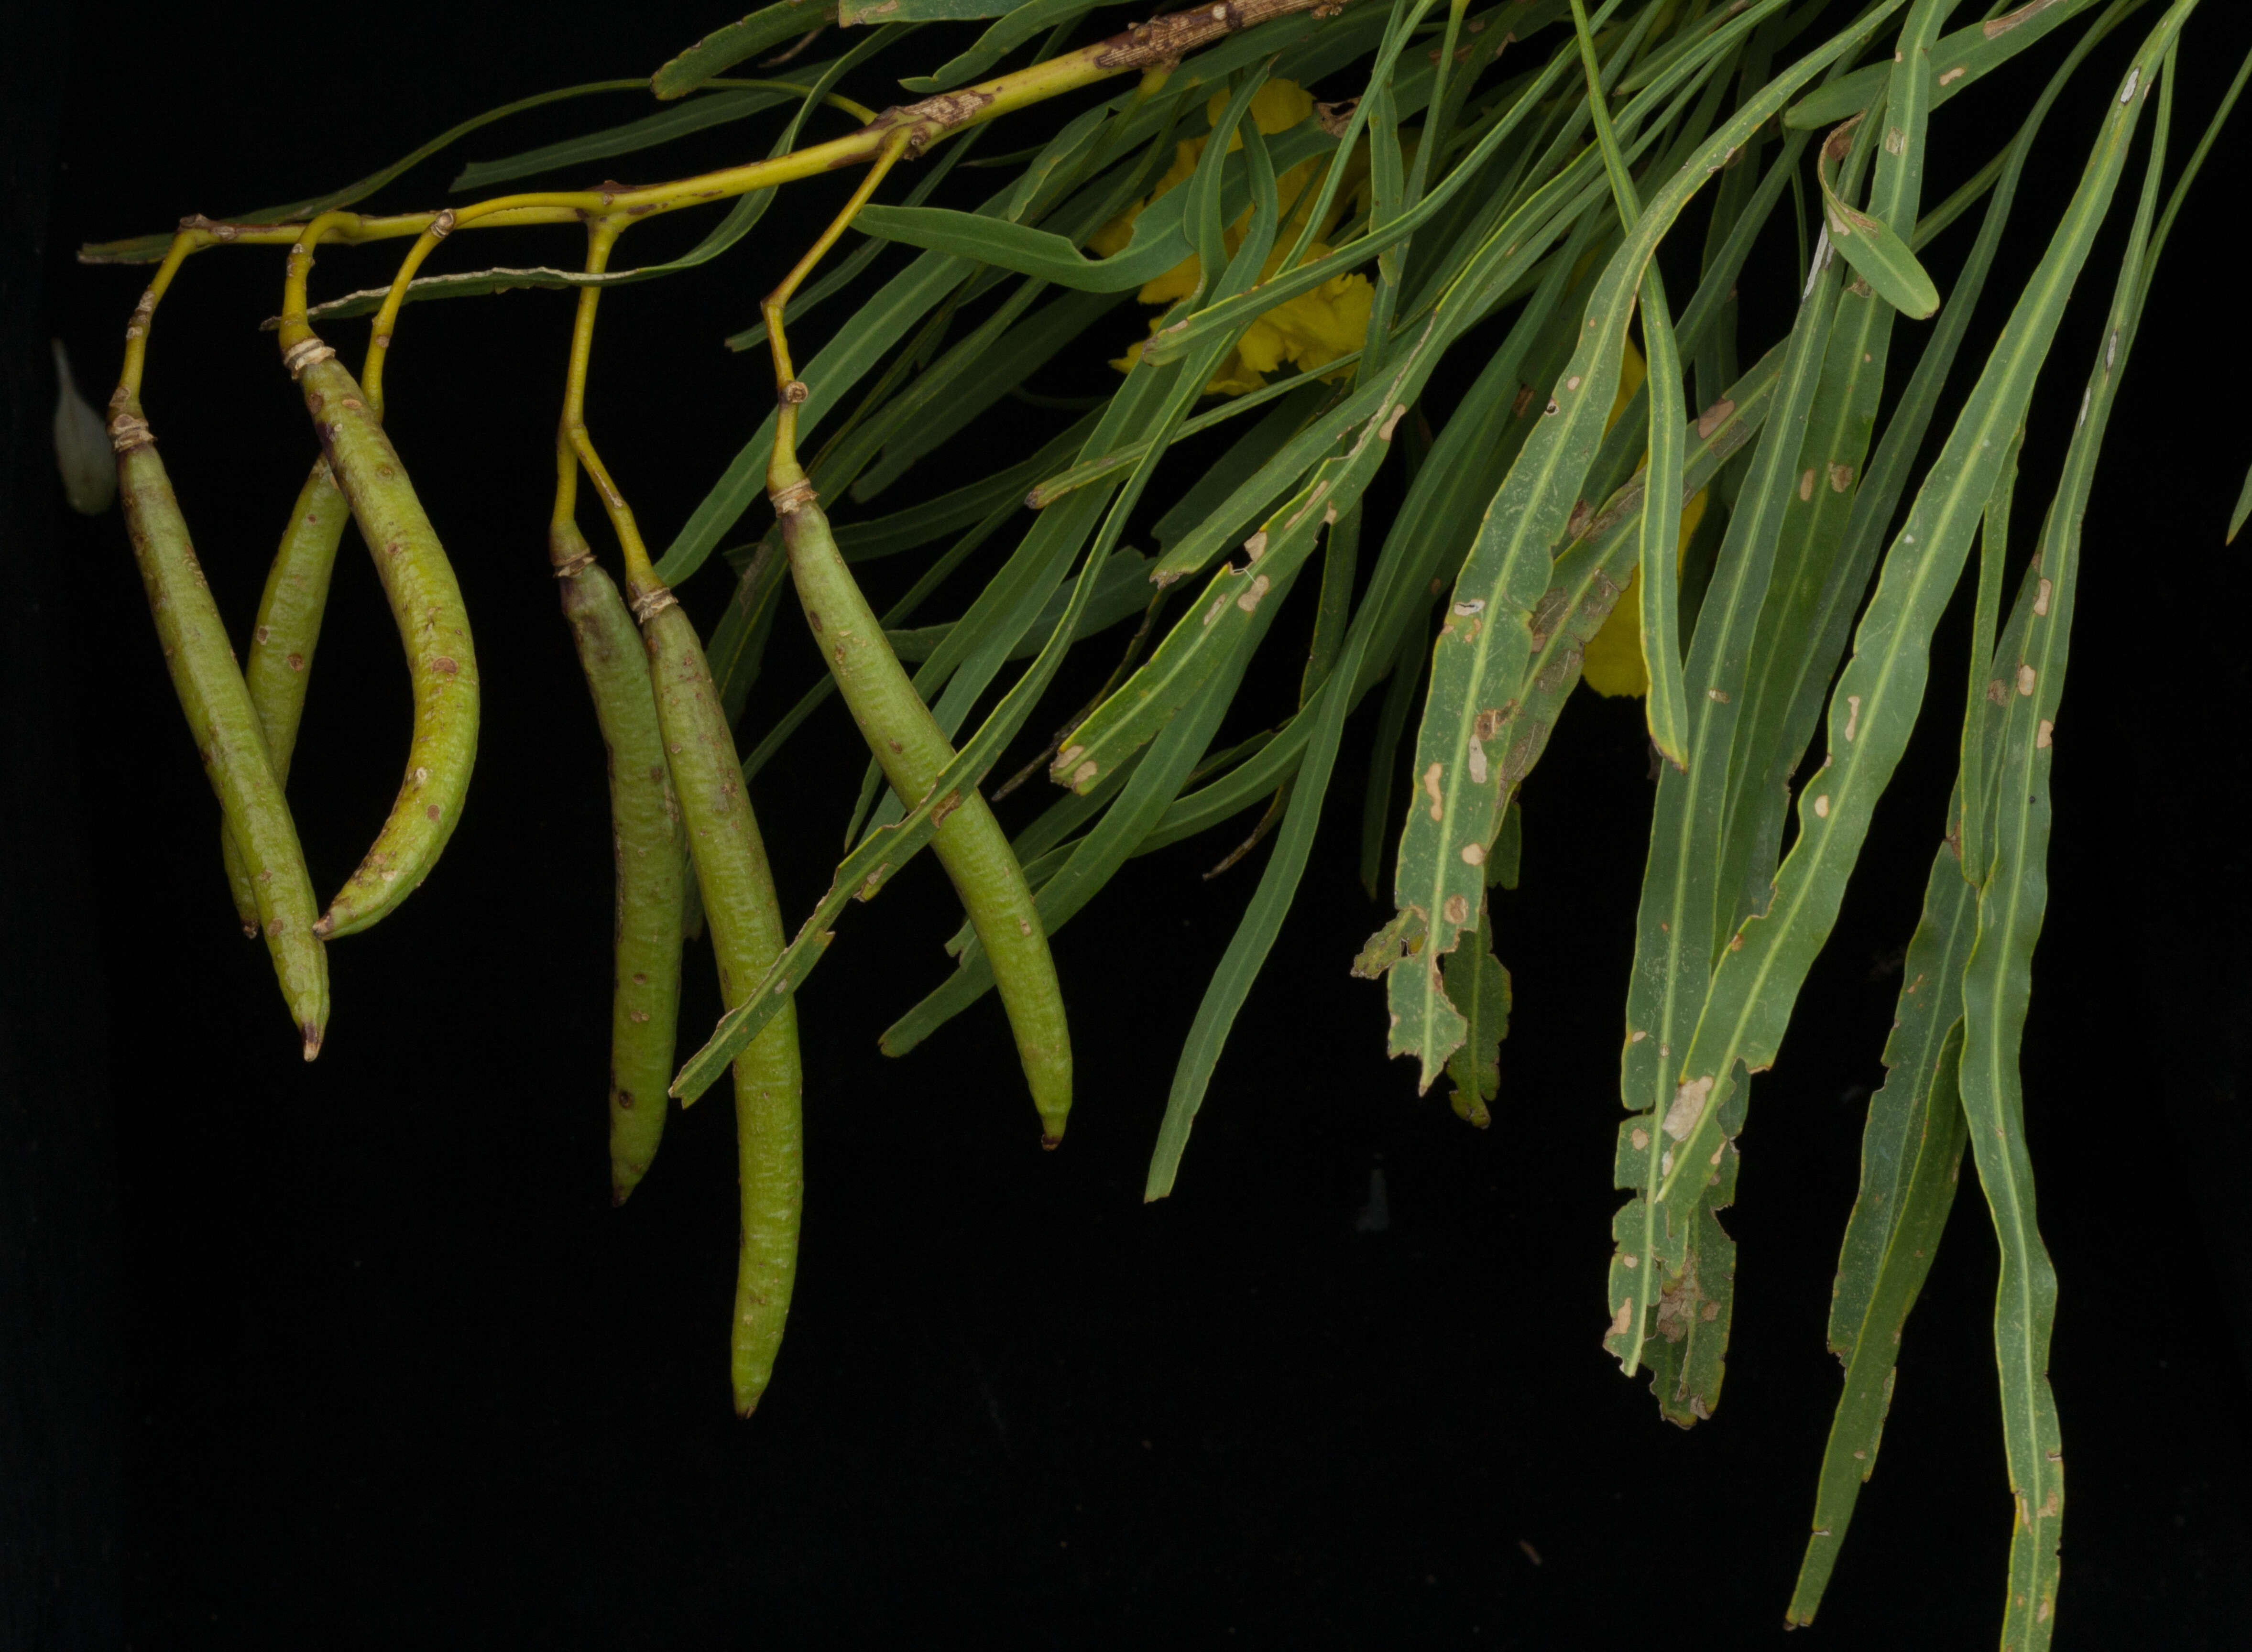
(1806, 601)
(1911, 1146)
(147, 249)
(718, 108)
(1866, 242)
(1959, 60)
(1481, 652)
(1924, 1129)
(1998, 982)
(722, 49)
(1016, 25)
(1875, 705)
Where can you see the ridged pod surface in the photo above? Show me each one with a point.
(432, 625)
(649, 844)
(281, 661)
(225, 725)
(969, 840)
(744, 922)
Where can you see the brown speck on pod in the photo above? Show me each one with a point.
(444, 665)
(431, 811)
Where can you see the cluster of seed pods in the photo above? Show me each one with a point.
(684, 834)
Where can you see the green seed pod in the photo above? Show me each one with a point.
(223, 723)
(649, 846)
(426, 603)
(281, 661)
(745, 921)
(969, 840)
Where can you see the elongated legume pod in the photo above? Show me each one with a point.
(969, 840)
(649, 847)
(281, 659)
(426, 603)
(745, 921)
(222, 720)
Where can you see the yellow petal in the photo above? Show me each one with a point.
(1631, 373)
(1112, 237)
(1276, 107)
(1233, 377)
(1177, 282)
(1262, 346)
(1613, 663)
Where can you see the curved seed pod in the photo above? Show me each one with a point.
(225, 725)
(648, 846)
(968, 842)
(426, 603)
(281, 660)
(745, 921)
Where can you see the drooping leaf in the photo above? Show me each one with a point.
(852, 13)
(1873, 707)
(723, 49)
(1481, 652)
(1016, 24)
(1479, 985)
(1866, 242)
(147, 249)
(1959, 60)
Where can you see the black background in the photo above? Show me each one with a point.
(359, 1352)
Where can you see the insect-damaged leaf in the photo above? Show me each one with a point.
(1478, 981)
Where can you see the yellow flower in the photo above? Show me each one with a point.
(1613, 665)
(1308, 331)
